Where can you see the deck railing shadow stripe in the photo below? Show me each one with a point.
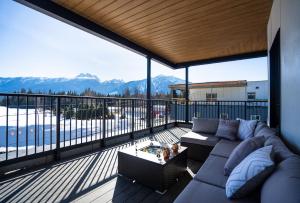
(76, 177)
(22, 187)
(98, 169)
(92, 176)
(94, 167)
(57, 177)
(8, 186)
(100, 158)
(105, 162)
(36, 181)
(63, 183)
(114, 166)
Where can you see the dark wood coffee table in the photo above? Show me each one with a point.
(147, 169)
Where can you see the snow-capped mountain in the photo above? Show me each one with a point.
(83, 81)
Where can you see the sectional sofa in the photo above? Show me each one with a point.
(208, 185)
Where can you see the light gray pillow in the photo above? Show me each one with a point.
(250, 173)
(241, 151)
(204, 125)
(246, 129)
(228, 129)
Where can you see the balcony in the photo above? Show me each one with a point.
(57, 148)
(70, 142)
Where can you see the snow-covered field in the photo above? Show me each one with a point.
(41, 130)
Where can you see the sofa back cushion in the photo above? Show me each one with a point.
(204, 125)
(228, 129)
(245, 148)
(260, 125)
(266, 132)
(246, 129)
(250, 173)
(281, 151)
(283, 185)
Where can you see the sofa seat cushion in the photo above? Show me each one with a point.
(197, 191)
(200, 138)
(224, 148)
(205, 125)
(284, 184)
(212, 171)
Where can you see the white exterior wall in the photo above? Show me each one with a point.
(223, 93)
(260, 88)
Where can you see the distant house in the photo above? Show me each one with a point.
(240, 90)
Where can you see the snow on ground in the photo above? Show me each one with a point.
(39, 136)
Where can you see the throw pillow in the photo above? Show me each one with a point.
(250, 173)
(241, 151)
(228, 129)
(203, 125)
(246, 129)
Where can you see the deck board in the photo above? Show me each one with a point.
(90, 178)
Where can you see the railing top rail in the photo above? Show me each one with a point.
(182, 99)
(249, 101)
(120, 98)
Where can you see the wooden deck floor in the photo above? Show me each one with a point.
(90, 178)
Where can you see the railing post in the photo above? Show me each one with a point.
(132, 119)
(245, 110)
(166, 114)
(151, 119)
(218, 111)
(149, 93)
(187, 94)
(175, 112)
(57, 155)
(104, 123)
(195, 108)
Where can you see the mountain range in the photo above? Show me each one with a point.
(84, 81)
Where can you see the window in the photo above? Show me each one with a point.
(211, 96)
(251, 95)
(255, 117)
(224, 116)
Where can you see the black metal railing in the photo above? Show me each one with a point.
(255, 110)
(32, 124)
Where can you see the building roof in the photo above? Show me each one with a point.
(237, 83)
(174, 32)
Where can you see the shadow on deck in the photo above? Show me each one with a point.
(89, 178)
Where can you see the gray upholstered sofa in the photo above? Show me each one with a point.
(208, 185)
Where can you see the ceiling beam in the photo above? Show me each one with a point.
(223, 59)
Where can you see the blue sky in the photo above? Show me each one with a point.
(33, 44)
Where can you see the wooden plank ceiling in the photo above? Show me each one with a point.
(182, 31)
